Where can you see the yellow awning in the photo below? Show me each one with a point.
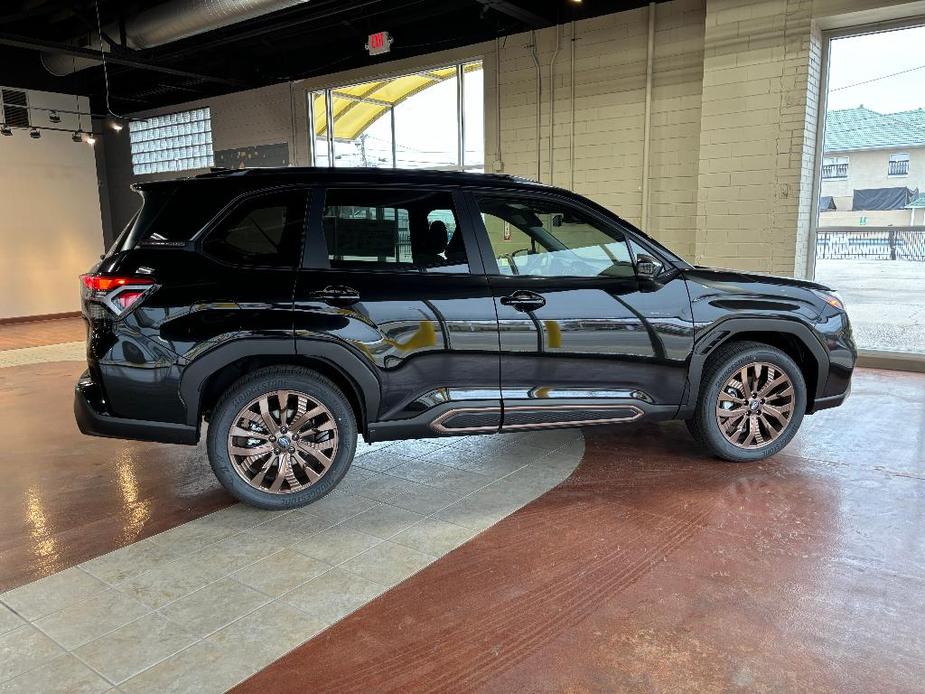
(357, 107)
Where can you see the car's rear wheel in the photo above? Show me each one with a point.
(281, 437)
(752, 401)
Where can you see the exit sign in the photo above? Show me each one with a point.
(379, 43)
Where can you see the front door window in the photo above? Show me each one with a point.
(540, 238)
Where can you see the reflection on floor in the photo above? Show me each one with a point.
(650, 567)
(653, 568)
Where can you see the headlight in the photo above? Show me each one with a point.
(831, 298)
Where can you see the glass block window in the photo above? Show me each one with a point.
(173, 142)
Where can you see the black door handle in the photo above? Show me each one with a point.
(337, 295)
(524, 300)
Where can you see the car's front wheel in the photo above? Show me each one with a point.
(752, 401)
(281, 437)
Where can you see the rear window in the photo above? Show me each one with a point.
(170, 215)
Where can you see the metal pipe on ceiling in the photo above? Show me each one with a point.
(171, 21)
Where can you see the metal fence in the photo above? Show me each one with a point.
(880, 243)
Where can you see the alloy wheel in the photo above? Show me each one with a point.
(283, 442)
(755, 405)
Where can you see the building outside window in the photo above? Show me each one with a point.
(835, 167)
(899, 164)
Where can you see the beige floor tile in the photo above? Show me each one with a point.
(382, 460)
(425, 471)
(240, 517)
(25, 649)
(89, 619)
(9, 620)
(333, 595)
(337, 544)
(172, 581)
(134, 647)
(203, 668)
(387, 563)
(237, 551)
(422, 499)
(432, 536)
(52, 593)
(414, 448)
(267, 634)
(214, 606)
(281, 572)
(63, 675)
(192, 536)
(356, 479)
(338, 506)
(129, 561)
(290, 529)
(478, 511)
(489, 464)
(383, 521)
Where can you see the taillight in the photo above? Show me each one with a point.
(118, 293)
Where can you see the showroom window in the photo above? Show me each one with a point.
(431, 119)
(393, 230)
(172, 142)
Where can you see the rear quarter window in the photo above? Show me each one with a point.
(171, 215)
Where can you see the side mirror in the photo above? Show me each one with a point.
(647, 267)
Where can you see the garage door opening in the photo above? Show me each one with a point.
(870, 234)
(432, 119)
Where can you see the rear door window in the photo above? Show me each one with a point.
(410, 230)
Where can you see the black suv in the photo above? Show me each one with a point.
(292, 309)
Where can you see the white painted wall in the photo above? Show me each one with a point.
(50, 229)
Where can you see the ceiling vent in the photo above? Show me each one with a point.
(15, 108)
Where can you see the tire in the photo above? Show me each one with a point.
(775, 418)
(331, 434)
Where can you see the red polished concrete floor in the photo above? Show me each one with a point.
(65, 497)
(654, 568)
(651, 568)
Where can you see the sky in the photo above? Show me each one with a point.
(862, 58)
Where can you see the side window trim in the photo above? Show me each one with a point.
(488, 256)
(242, 199)
(317, 256)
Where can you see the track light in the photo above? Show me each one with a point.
(77, 136)
(6, 130)
(34, 134)
(90, 139)
(116, 125)
(54, 117)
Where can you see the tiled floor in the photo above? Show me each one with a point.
(655, 568)
(179, 609)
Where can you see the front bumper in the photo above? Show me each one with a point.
(93, 419)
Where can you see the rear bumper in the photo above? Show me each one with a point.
(93, 419)
(831, 400)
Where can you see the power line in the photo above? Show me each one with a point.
(877, 79)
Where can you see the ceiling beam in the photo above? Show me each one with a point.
(111, 57)
(517, 12)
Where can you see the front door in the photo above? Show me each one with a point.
(395, 278)
(582, 339)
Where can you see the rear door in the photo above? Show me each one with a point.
(582, 339)
(395, 277)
